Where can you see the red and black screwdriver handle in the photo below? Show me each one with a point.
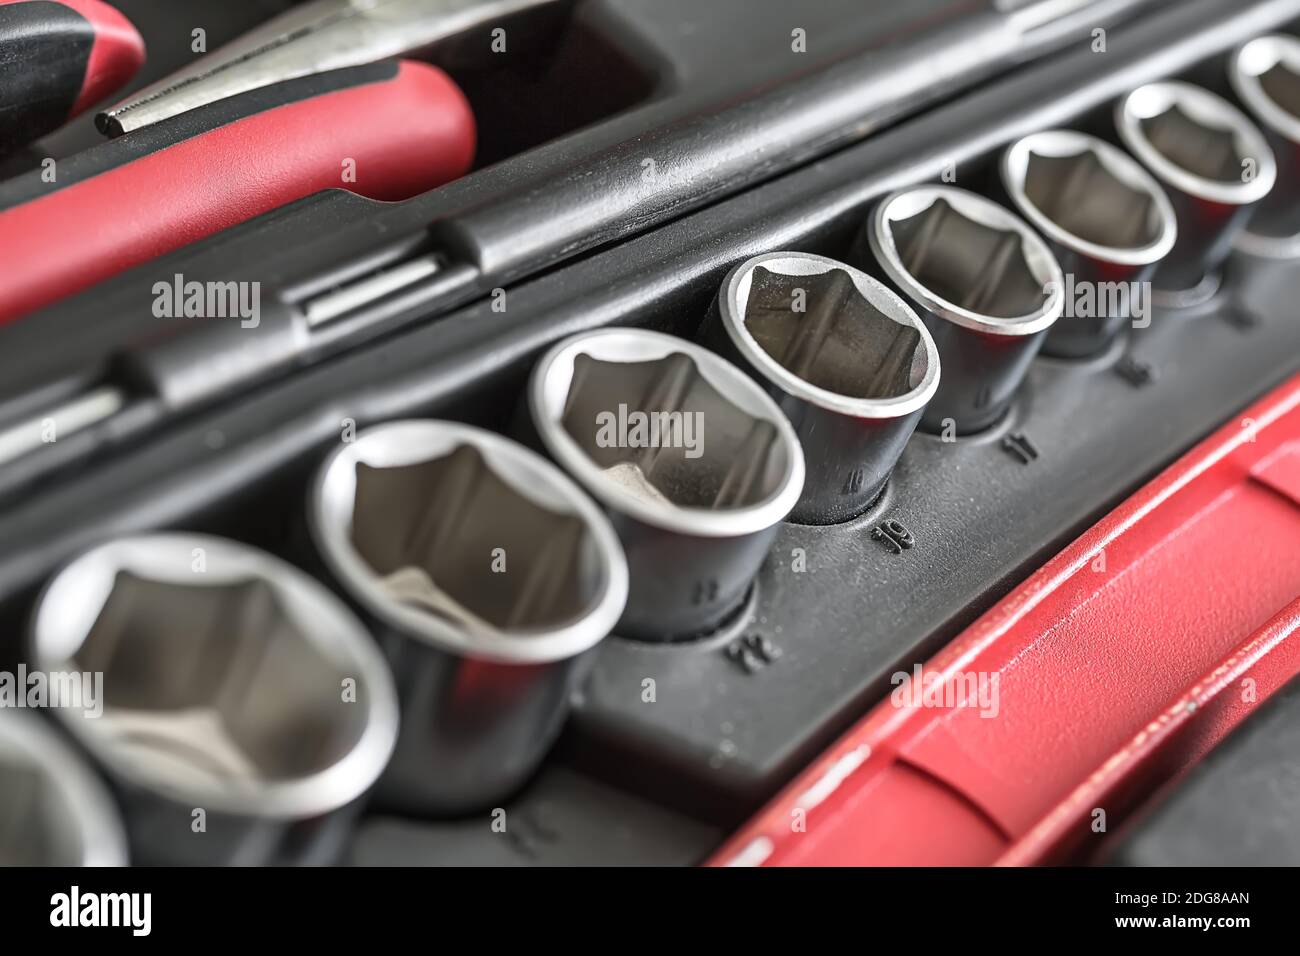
(58, 57)
(387, 131)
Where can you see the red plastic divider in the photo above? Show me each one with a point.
(1104, 675)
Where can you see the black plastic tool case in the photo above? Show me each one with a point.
(1239, 807)
(644, 111)
(576, 240)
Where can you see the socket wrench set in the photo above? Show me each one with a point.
(565, 513)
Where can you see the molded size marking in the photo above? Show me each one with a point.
(1136, 372)
(893, 534)
(752, 652)
(704, 592)
(1019, 446)
(526, 831)
(1242, 319)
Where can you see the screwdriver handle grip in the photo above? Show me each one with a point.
(386, 131)
(58, 57)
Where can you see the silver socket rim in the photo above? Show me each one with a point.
(100, 835)
(735, 294)
(1014, 168)
(411, 441)
(549, 387)
(910, 201)
(1210, 110)
(72, 601)
(1251, 60)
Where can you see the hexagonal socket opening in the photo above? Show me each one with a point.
(1084, 196)
(1210, 152)
(821, 328)
(449, 537)
(215, 686)
(1282, 85)
(1265, 75)
(977, 267)
(665, 434)
(35, 829)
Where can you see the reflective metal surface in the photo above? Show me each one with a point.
(1106, 220)
(1265, 76)
(310, 38)
(987, 287)
(848, 362)
(695, 464)
(53, 810)
(489, 574)
(1213, 163)
(245, 709)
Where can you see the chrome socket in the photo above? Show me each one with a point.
(694, 463)
(985, 285)
(1107, 222)
(1213, 163)
(848, 362)
(245, 709)
(489, 575)
(54, 811)
(1265, 76)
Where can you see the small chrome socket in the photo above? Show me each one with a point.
(692, 460)
(245, 710)
(489, 575)
(54, 811)
(986, 286)
(1107, 222)
(1265, 77)
(844, 357)
(1213, 163)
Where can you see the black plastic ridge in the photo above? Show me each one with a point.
(708, 137)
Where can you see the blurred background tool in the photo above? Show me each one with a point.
(128, 201)
(222, 140)
(53, 810)
(314, 38)
(57, 58)
(1264, 74)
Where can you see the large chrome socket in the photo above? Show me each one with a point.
(849, 363)
(490, 575)
(1107, 222)
(1265, 76)
(245, 710)
(1213, 163)
(53, 809)
(986, 286)
(695, 464)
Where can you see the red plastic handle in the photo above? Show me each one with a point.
(116, 56)
(389, 140)
(1118, 664)
(60, 57)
